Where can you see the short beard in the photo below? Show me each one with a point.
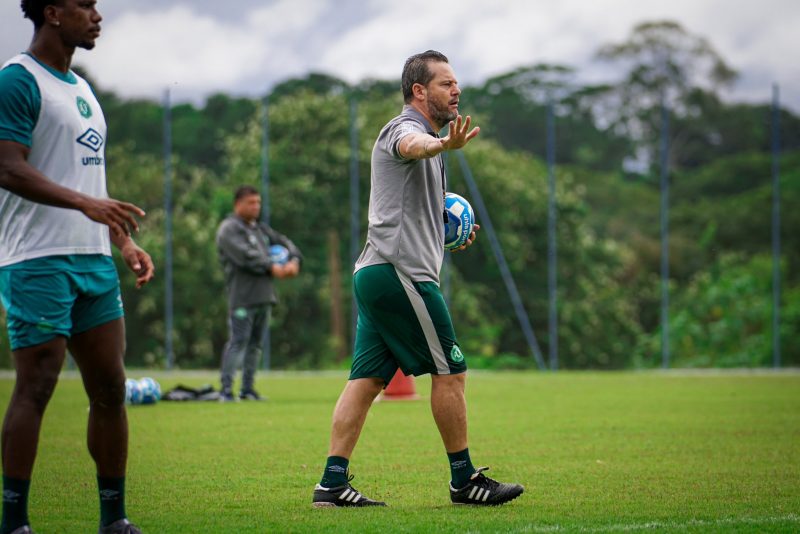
(441, 115)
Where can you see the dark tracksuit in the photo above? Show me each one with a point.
(244, 254)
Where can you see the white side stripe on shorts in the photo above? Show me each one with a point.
(425, 321)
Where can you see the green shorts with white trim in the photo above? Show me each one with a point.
(402, 324)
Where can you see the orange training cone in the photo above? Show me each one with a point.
(401, 387)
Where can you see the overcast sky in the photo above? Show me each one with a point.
(244, 47)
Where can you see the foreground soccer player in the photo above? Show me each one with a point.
(403, 320)
(58, 283)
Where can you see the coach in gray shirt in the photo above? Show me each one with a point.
(403, 320)
(243, 244)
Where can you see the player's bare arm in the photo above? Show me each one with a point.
(135, 258)
(421, 146)
(19, 177)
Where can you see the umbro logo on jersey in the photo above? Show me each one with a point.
(92, 139)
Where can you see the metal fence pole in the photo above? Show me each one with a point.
(168, 275)
(511, 287)
(552, 260)
(776, 228)
(665, 354)
(265, 212)
(355, 213)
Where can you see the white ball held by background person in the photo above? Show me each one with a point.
(278, 254)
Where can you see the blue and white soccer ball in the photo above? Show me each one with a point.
(460, 220)
(278, 254)
(133, 392)
(151, 390)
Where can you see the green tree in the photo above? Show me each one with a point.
(663, 63)
(723, 318)
(512, 109)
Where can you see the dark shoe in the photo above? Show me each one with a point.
(250, 394)
(24, 529)
(482, 490)
(226, 395)
(345, 495)
(121, 526)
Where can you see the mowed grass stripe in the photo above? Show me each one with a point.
(596, 452)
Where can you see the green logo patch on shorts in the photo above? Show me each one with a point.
(240, 313)
(456, 355)
(45, 327)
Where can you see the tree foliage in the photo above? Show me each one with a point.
(608, 218)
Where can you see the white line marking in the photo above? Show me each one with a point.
(667, 525)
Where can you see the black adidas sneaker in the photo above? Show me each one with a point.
(482, 490)
(345, 495)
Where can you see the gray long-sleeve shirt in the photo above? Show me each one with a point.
(244, 254)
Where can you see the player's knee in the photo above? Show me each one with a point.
(109, 395)
(452, 380)
(38, 394)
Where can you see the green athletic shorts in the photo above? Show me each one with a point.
(58, 296)
(402, 324)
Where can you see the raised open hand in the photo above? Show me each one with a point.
(459, 133)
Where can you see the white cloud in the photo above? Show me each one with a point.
(148, 45)
(487, 38)
(140, 53)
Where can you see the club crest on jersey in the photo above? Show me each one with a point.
(84, 108)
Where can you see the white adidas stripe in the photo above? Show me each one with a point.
(472, 493)
(486, 496)
(344, 494)
(426, 322)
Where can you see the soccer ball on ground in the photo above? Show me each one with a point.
(460, 220)
(151, 390)
(133, 392)
(278, 254)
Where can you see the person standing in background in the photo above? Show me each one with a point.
(244, 252)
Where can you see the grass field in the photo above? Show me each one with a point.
(597, 452)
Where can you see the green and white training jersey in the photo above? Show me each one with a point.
(58, 117)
